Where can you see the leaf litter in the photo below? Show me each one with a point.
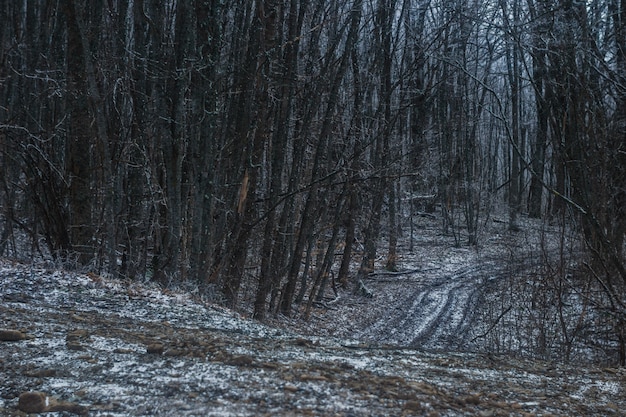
(86, 341)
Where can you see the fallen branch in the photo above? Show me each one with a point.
(493, 325)
(394, 273)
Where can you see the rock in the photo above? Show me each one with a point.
(36, 402)
(155, 348)
(11, 335)
(77, 334)
(239, 360)
(175, 352)
(74, 346)
(414, 406)
(472, 400)
(33, 402)
(290, 387)
(40, 373)
(302, 342)
(313, 378)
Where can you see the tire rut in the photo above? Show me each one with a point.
(437, 314)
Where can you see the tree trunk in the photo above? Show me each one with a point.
(311, 201)
(535, 196)
(79, 143)
(278, 150)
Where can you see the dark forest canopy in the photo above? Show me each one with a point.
(256, 143)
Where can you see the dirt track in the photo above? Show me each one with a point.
(442, 297)
(117, 349)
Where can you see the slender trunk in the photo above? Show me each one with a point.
(311, 201)
(352, 194)
(538, 161)
(279, 145)
(251, 133)
(392, 255)
(79, 142)
(346, 259)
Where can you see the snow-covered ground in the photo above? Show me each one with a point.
(119, 349)
(487, 298)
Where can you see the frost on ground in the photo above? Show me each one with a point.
(120, 349)
(495, 297)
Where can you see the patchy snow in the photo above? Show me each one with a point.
(489, 298)
(407, 351)
(92, 350)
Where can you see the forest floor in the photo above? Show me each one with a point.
(100, 347)
(444, 294)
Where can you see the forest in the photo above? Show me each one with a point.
(277, 148)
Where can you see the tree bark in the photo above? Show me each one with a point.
(79, 143)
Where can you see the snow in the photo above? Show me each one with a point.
(403, 352)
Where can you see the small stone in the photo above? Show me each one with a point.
(74, 346)
(11, 335)
(269, 365)
(33, 402)
(290, 387)
(302, 342)
(155, 348)
(413, 405)
(175, 352)
(472, 400)
(76, 334)
(313, 377)
(239, 360)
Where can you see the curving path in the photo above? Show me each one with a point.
(435, 313)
